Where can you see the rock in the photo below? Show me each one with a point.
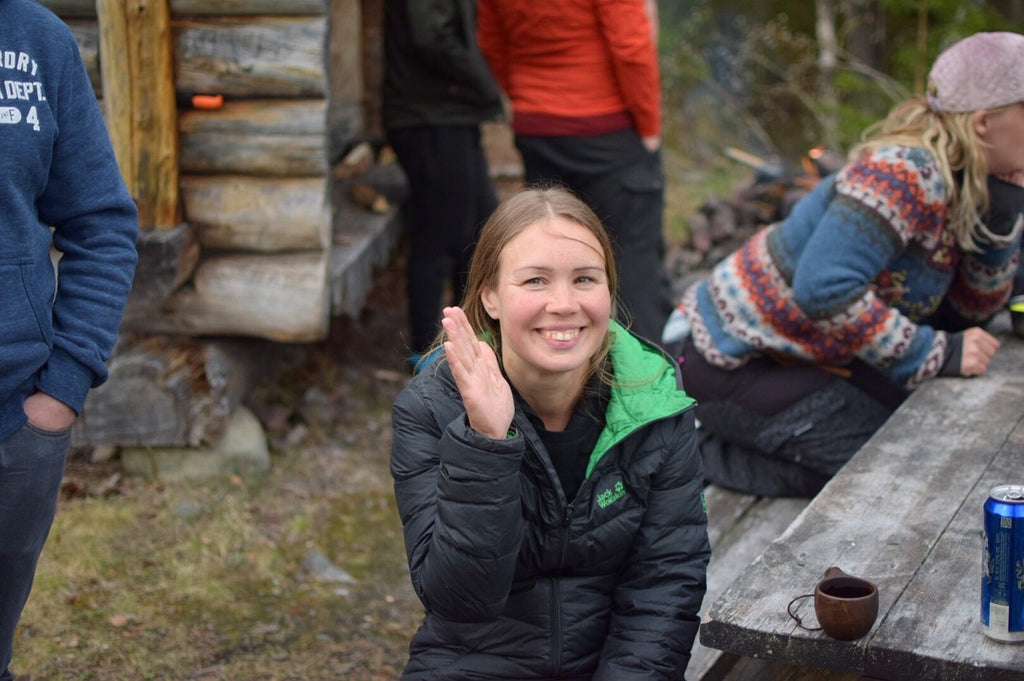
(186, 510)
(243, 451)
(321, 567)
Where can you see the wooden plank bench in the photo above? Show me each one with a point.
(740, 526)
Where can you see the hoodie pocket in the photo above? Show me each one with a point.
(27, 332)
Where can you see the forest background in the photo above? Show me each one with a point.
(779, 77)
(300, 573)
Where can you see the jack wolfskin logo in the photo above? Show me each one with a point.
(611, 495)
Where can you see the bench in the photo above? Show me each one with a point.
(740, 526)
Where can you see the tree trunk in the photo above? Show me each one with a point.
(281, 297)
(864, 32)
(266, 137)
(252, 57)
(258, 214)
(825, 30)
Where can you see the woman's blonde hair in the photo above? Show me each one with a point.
(958, 152)
(524, 208)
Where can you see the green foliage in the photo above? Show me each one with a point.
(947, 22)
(860, 106)
(739, 75)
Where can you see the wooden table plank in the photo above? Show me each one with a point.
(937, 617)
(905, 512)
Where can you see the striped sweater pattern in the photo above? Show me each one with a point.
(854, 272)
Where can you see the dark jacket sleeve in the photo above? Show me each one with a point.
(656, 604)
(459, 501)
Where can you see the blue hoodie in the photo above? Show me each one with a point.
(60, 186)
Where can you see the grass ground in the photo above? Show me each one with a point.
(162, 581)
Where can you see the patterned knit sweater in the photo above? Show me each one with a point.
(854, 272)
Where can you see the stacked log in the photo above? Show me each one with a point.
(240, 215)
(248, 181)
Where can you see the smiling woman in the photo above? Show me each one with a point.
(546, 471)
(552, 303)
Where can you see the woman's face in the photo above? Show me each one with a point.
(1003, 131)
(551, 300)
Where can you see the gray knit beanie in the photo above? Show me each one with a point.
(982, 71)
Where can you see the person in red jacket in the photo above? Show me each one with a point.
(585, 89)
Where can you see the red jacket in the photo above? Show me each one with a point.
(574, 64)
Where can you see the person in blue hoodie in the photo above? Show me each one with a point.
(60, 190)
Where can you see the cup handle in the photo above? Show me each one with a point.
(796, 617)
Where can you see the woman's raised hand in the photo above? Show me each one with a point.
(486, 394)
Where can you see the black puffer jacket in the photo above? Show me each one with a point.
(518, 582)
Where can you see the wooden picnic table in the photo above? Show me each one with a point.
(906, 513)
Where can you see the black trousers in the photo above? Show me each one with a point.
(624, 184)
(450, 198)
(776, 429)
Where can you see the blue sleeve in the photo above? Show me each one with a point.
(95, 225)
(879, 207)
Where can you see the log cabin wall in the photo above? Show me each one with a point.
(248, 230)
(245, 231)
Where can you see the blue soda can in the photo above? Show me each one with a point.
(1002, 579)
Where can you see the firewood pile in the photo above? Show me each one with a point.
(721, 224)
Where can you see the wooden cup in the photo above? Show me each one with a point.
(846, 606)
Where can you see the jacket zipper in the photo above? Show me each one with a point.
(556, 597)
(566, 522)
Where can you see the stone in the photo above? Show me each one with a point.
(242, 451)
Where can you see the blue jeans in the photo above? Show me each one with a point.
(31, 468)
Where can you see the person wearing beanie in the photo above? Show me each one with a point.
(957, 88)
(800, 344)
